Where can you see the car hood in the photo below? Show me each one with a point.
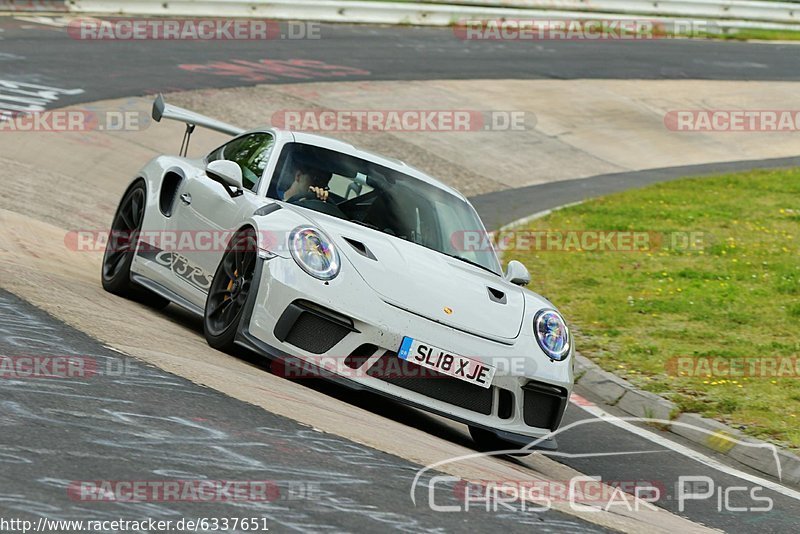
(428, 283)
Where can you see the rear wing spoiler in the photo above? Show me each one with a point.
(167, 111)
(162, 110)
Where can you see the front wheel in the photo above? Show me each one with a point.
(230, 287)
(121, 248)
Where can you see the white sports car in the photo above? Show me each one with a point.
(340, 263)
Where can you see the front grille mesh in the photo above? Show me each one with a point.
(315, 334)
(543, 405)
(411, 376)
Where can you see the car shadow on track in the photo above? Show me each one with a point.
(364, 400)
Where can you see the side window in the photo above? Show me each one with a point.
(251, 152)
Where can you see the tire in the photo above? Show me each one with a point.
(229, 289)
(488, 442)
(120, 249)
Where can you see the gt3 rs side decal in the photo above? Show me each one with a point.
(180, 265)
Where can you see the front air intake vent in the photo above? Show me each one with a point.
(359, 357)
(505, 403)
(361, 248)
(495, 295)
(544, 405)
(312, 328)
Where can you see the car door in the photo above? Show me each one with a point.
(208, 212)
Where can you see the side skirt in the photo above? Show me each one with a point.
(162, 291)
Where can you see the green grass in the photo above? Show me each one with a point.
(753, 34)
(737, 295)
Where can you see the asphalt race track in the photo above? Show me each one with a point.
(55, 434)
(166, 425)
(503, 207)
(48, 55)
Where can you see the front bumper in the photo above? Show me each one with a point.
(343, 331)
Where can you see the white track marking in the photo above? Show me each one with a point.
(55, 22)
(599, 413)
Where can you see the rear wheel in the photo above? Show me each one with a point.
(230, 287)
(488, 442)
(121, 247)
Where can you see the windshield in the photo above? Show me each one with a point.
(380, 198)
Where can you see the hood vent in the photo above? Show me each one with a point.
(361, 248)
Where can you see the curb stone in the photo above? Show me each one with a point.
(616, 391)
(645, 404)
(605, 385)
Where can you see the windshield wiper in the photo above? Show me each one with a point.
(475, 263)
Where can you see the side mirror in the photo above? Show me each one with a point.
(517, 273)
(228, 173)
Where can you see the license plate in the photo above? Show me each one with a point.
(445, 362)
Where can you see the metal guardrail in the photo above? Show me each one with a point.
(785, 12)
(720, 14)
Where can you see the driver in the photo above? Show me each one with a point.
(307, 178)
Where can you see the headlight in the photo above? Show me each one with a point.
(552, 334)
(314, 253)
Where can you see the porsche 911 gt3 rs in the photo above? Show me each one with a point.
(325, 257)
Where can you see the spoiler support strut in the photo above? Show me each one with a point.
(167, 111)
(187, 136)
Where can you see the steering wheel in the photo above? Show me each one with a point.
(309, 200)
(308, 195)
